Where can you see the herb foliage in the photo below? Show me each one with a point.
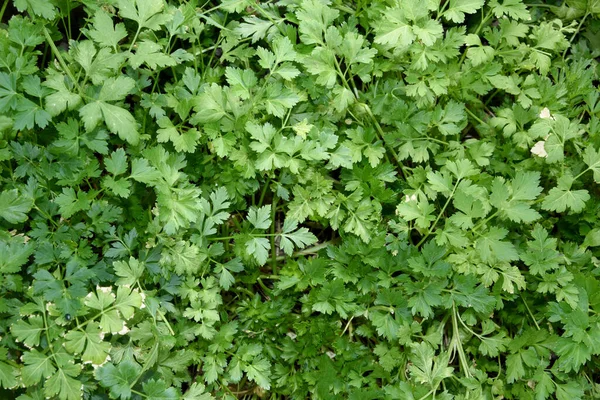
(299, 199)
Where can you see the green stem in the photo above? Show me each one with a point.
(432, 391)
(160, 313)
(582, 172)
(257, 6)
(485, 221)
(264, 192)
(273, 249)
(308, 251)
(46, 329)
(135, 37)
(530, 313)
(430, 230)
(61, 61)
(458, 344)
(475, 117)
(575, 33)
(481, 24)
(381, 135)
(4, 5)
(139, 393)
(263, 286)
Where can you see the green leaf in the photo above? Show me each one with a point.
(147, 13)
(151, 54)
(562, 197)
(128, 272)
(117, 119)
(291, 236)
(394, 30)
(120, 121)
(259, 249)
(70, 202)
(196, 391)
(8, 373)
(115, 89)
(458, 8)
(28, 332)
(260, 218)
(43, 8)
(14, 207)
(158, 390)
(259, 371)
(13, 254)
(183, 141)
(104, 32)
(38, 366)
(64, 384)
(513, 8)
(492, 248)
(592, 159)
(142, 171)
(118, 379)
(63, 98)
(117, 163)
(427, 369)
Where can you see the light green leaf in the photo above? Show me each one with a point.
(147, 13)
(458, 8)
(14, 206)
(259, 249)
(260, 217)
(128, 272)
(291, 236)
(562, 197)
(64, 384)
(120, 121)
(38, 366)
(29, 331)
(151, 54)
(118, 379)
(116, 164)
(104, 32)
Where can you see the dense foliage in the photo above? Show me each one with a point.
(393, 199)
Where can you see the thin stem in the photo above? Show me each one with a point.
(273, 249)
(481, 24)
(432, 391)
(579, 175)
(308, 251)
(530, 313)
(264, 192)
(46, 329)
(575, 33)
(381, 135)
(160, 313)
(135, 37)
(475, 117)
(485, 221)
(430, 230)
(61, 61)
(4, 5)
(458, 344)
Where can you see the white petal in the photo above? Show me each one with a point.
(539, 150)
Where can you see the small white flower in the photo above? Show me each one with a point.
(331, 354)
(539, 150)
(292, 335)
(124, 330)
(143, 295)
(545, 114)
(106, 289)
(410, 198)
